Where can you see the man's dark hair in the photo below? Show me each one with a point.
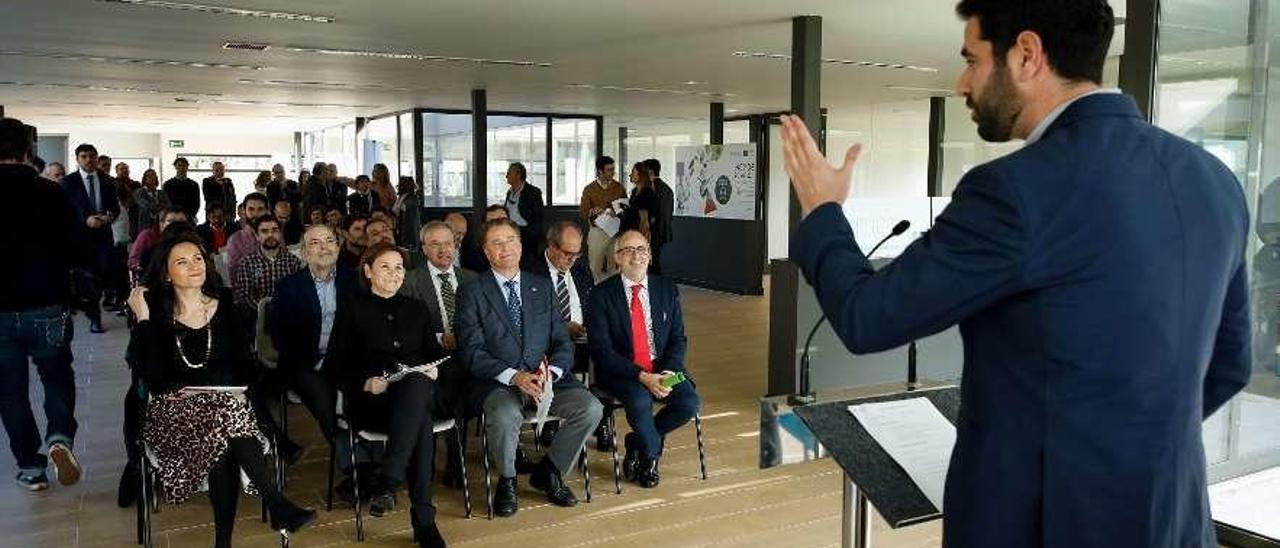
(603, 162)
(181, 160)
(490, 225)
(1076, 33)
(654, 167)
(520, 170)
(255, 223)
(363, 178)
(496, 207)
(86, 147)
(254, 196)
(214, 206)
(351, 220)
(15, 140)
(555, 234)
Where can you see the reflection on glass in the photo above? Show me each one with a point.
(381, 146)
(406, 147)
(516, 139)
(446, 159)
(573, 154)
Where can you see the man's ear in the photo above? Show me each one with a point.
(1026, 58)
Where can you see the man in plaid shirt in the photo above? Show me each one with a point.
(257, 274)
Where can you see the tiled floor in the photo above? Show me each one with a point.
(740, 505)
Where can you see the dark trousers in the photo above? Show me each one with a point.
(405, 413)
(42, 336)
(97, 277)
(224, 485)
(117, 274)
(655, 262)
(679, 407)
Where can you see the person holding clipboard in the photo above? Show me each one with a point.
(1098, 277)
(195, 362)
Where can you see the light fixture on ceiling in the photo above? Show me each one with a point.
(254, 103)
(325, 85)
(932, 91)
(124, 60)
(635, 89)
(846, 62)
(227, 10)
(95, 87)
(98, 104)
(410, 56)
(246, 46)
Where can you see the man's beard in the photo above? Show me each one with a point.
(271, 243)
(998, 107)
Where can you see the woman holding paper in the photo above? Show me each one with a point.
(193, 356)
(376, 336)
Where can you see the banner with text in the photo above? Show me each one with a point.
(716, 181)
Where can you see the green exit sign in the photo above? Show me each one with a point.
(175, 143)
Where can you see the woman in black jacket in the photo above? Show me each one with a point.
(375, 335)
(642, 210)
(187, 336)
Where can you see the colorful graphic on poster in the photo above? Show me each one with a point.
(716, 181)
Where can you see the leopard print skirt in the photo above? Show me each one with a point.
(187, 435)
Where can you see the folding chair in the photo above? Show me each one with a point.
(488, 474)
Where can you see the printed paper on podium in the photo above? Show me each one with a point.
(916, 435)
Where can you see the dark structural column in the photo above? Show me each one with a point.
(479, 152)
(1141, 45)
(937, 132)
(717, 123)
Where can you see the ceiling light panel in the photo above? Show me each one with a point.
(252, 103)
(635, 89)
(134, 61)
(410, 56)
(95, 87)
(227, 10)
(847, 62)
(326, 85)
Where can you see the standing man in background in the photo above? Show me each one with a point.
(524, 207)
(662, 234)
(218, 187)
(182, 190)
(1098, 277)
(597, 198)
(93, 195)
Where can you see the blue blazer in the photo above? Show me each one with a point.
(1098, 278)
(489, 344)
(609, 329)
(293, 319)
(73, 186)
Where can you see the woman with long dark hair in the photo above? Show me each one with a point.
(642, 209)
(190, 350)
(375, 335)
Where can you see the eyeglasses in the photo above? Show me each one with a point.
(638, 251)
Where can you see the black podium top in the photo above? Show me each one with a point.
(885, 484)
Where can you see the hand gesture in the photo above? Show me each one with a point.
(375, 385)
(653, 383)
(529, 383)
(815, 181)
(138, 303)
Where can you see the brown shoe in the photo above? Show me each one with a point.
(65, 467)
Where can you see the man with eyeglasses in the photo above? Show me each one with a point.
(638, 345)
(300, 320)
(436, 286)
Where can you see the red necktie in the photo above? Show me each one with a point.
(639, 333)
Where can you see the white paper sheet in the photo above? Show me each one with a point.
(609, 223)
(1249, 502)
(918, 438)
(212, 389)
(544, 403)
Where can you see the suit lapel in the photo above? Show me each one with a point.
(620, 300)
(658, 317)
(530, 297)
(313, 299)
(499, 303)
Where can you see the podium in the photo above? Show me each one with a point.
(871, 477)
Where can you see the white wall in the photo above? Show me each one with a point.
(279, 147)
(116, 145)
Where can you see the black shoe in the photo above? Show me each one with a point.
(631, 463)
(429, 537)
(289, 517)
(38, 482)
(605, 437)
(127, 493)
(548, 433)
(95, 326)
(382, 504)
(548, 480)
(648, 477)
(505, 500)
(523, 464)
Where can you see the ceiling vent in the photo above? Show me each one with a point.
(246, 46)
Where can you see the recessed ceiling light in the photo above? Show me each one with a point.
(410, 56)
(634, 89)
(253, 103)
(936, 91)
(325, 85)
(227, 10)
(695, 83)
(852, 62)
(125, 60)
(94, 87)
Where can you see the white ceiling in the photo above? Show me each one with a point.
(679, 50)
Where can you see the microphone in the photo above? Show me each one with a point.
(805, 395)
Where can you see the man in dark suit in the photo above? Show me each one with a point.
(637, 340)
(218, 188)
(1098, 277)
(93, 195)
(183, 191)
(300, 320)
(513, 342)
(662, 233)
(325, 189)
(525, 207)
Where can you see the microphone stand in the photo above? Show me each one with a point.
(806, 395)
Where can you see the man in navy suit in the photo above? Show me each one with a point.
(513, 341)
(1098, 277)
(637, 340)
(93, 195)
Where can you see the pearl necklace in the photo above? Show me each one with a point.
(208, 341)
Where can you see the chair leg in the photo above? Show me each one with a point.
(460, 431)
(617, 469)
(144, 501)
(488, 477)
(586, 473)
(282, 475)
(333, 456)
(355, 483)
(702, 452)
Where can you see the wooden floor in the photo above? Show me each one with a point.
(739, 505)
